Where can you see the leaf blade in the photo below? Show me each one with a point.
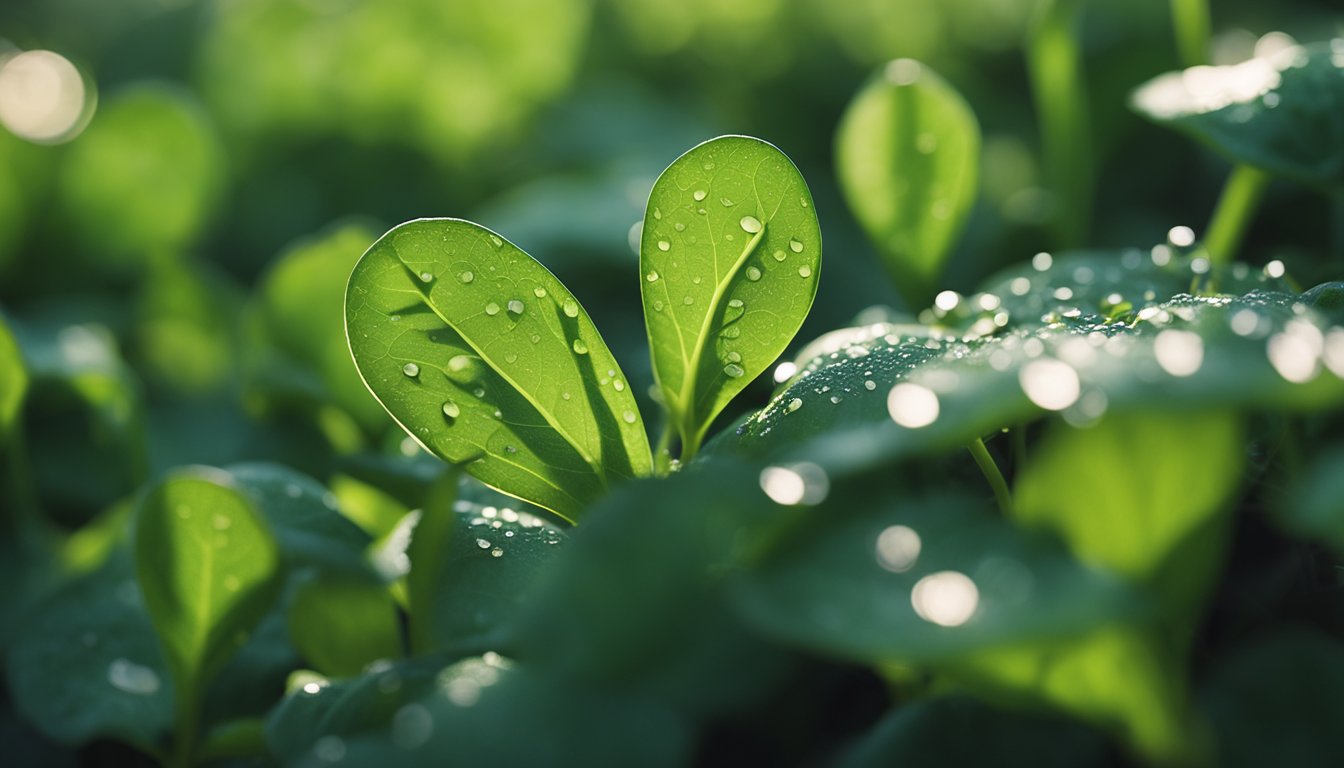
(487, 360)
(729, 255)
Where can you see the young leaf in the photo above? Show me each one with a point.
(487, 360)
(729, 259)
(342, 625)
(907, 154)
(1280, 113)
(208, 567)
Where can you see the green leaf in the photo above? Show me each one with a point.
(342, 625)
(925, 578)
(488, 361)
(298, 304)
(186, 319)
(13, 381)
(208, 567)
(908, 157)
(1279, 112)
(729, 257)
(1313, 507)
(85, 662)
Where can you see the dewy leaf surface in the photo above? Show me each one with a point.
(908, 156)
(1283, 113)
(486, 359)
(208, 567)
(729, 258)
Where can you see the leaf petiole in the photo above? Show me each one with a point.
(990, 470)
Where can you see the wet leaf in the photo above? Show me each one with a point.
(488, 361)
(908, 157)
(208, 567)
(729, 261)
(1282, 112)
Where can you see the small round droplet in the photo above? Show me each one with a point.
(515, 307)
(652, 277)
(679, 226)
(426, 277)
(779, 255)
(466, 277)
(411, 369)
(657, 213)
(629, 417)
(458, 362)
(793, 405)
(492, 309)
(750, 224)
(618, 385)
(571, 308)
(657, 306)
(795, 245)
(734, 357)
(451, 410)
(870, 385)
(663, 245)
(699, 195)
(736, 304)
(687, 300)
(494, 239)
(580, 348)
(804, 271)
(539, 292)
(726, 202)
(733, 371)
(753, 274)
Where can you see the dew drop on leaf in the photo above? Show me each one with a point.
(733, 371)
(580, 348)
(571, 308)
(652, 277)
(515, 307)
(793, 405)
(753, 274)
(451, 410)
(411, 369)
(699, 195)
(663, 245)
(467, 276)
(492, 309)
(795, 245)
(804, 271)
(750, 224)
(629, 417)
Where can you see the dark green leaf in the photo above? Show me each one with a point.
(487, 360)
(1283, 112)
(730, 257)
(908, 157)
(208, 567)
(1314, 506)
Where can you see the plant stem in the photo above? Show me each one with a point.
(188, 723)
(662, 456)
(1054, 61)
(991, 472)
(1236, 206)
(1190, 20)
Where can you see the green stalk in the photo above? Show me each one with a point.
(662, 453)
(188, 725)
(1054, 62)
(1190, 20)
(1236, 206)
(991, 472)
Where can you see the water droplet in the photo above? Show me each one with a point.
(699, 195)
(726, 202)
(804, 271)
(733, 357)
(571, 308)
(411, 369)
(580, 348)
(870, 385)
(793, 405)
(426, 277)
(733, 371)
(535, 338)
(494, 239)
(458, 362)
(618, 385)
(795, 245)
(736, 304)
(629, 417)
(750, 224)
(680, 227)
(467, 276)
(497, 552)
(779, 255)
(126, 675)
(657, 306)
(657, 213)
(753, 274)
(515, 307)
(652, 277)
(687, 300)
(482, 543)
(663, 245)
(732, 332)
(565, 395)
(539, 292)
(492, 309)
(802, 201)
(451, 410)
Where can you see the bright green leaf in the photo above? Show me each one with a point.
(488, 361)
(908, 157)
(208, 567)
(1279, 112)
(342, 625)
(13, 381)
(729, 262)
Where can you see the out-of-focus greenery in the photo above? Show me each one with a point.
(172, 285)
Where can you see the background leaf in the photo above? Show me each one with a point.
(907, 153)
(488, 361)
(730, 257)
(13, 380)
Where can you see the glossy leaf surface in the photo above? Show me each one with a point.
(208, 567)
(1282, 112)
(488, 361)
(729, 261)
(908, 158)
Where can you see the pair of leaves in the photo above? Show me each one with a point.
(487, 360)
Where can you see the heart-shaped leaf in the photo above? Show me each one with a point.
(208, 567)
(487, 360)
(1283, 112)
(908, 156)
(730, 257)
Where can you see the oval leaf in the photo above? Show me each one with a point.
(208, 568)
(1279, 112)
(907, 154)
(730, 258)
(486, 359)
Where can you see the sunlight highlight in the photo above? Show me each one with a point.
(912, 406)
(946, 598)
(43, 98)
